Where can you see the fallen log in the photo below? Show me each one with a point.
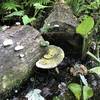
(19, 50)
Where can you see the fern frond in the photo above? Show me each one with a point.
(10, 5)
(16, 13)
(42, 1)
(32, 2)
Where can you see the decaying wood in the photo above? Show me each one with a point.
(15, 65)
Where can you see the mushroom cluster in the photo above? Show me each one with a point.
(52, 58)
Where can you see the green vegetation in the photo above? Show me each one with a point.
(84, 29)
(20, 10)
(77, 90)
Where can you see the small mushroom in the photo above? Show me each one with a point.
(7, 42)
(19, 47)
(52, 58)
(78, 69)
(56, 25)
(18, 23)
(21, 55)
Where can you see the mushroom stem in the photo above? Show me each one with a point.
(57, 70)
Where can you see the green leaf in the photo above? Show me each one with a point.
(95, 70)
(10, 5)
(16, 13)
(87, 92)
(32, 2)
(27, 20)
(76, 89)
(39, 6)
(43, 1)
(85, 26)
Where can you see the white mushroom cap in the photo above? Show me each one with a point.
(56, 25)
(19, 47)
(7, 42)
(18, 23)
(52, 58)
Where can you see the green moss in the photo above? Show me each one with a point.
(13, 79)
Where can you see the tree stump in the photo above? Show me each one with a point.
(16, 63)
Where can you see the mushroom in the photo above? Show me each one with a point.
(52, 58)
(19, 47)
(21, 55)
(56, 25)
(7, 42)
(17, 23)
(80, 70)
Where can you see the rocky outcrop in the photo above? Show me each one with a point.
(61, 25)
(19, 50)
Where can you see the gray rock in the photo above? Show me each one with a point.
(61, 19)
(13, 69)
(61, 24)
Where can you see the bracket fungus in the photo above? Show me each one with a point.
(52, 58)
(7, 42)
(19, 47)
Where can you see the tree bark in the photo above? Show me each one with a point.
(14, 68)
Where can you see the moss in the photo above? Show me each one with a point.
(13, 79)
